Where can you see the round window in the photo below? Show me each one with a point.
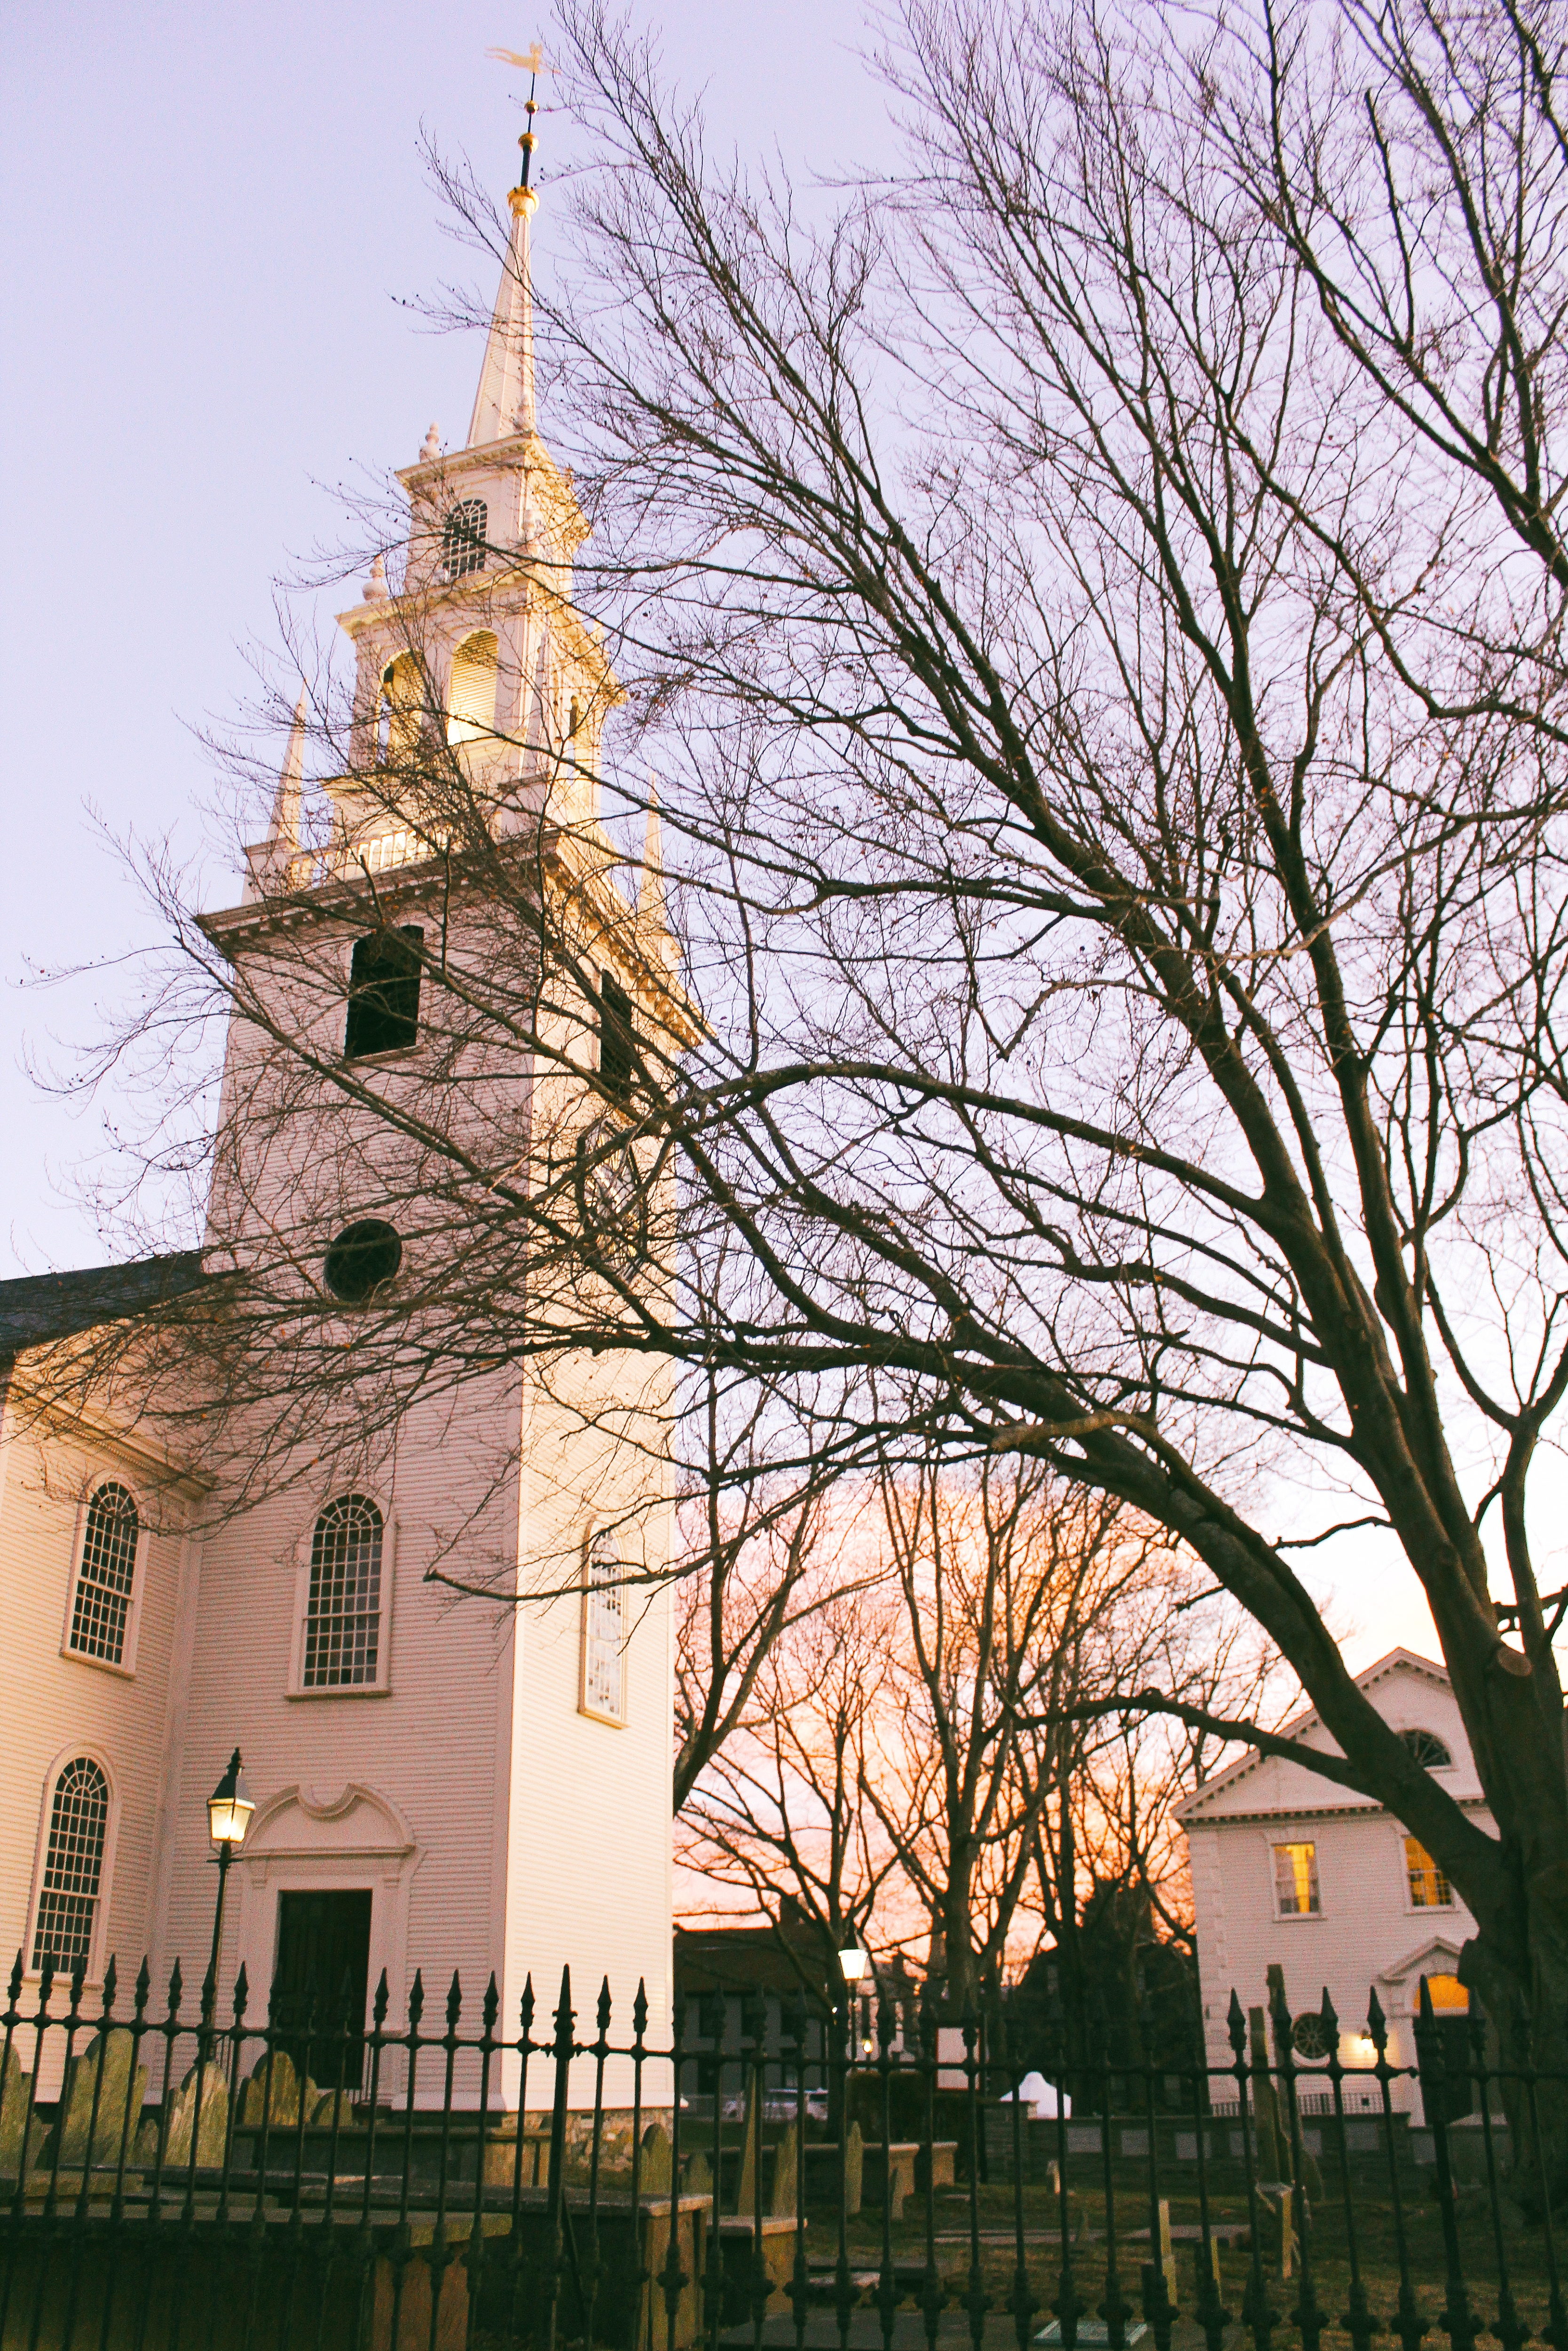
(1309, 2037)
(362, 1257)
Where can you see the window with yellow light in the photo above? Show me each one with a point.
(1429, 1886)
(1296, 1880)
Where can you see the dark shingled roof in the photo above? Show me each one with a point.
(45, 1306)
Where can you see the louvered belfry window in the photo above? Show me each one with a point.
(471, 699)
(102, 1609)
(463, 539)
(343, 1618)
(604, 1629)
(73, 1864)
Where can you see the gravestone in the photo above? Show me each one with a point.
(210, 2127)
(854, 2169)
(697, 2180)
(16, 2088)
(1164, 2251)
(786, 2176)
(333, 2106)
(655, 2175)
(751, 2152)
(106, 2069)
(270, 2094)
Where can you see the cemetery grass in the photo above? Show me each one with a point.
(1524, 2249)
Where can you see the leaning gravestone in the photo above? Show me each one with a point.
(105, 2070)
(270, 2094)
(206, 2132)
(655, 2174)
(16, 2088)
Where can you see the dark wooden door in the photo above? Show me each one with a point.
(318, 1987)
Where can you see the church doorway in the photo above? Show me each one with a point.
(321, 1979)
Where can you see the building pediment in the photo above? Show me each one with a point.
(357, 1820)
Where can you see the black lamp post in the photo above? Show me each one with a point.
(229, 1808)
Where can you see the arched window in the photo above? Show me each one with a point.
(463, 539)
(471, 703)
(383, 992)
(73, 1864)
(102, 1608)
(343, 1616)
(1428, 1749)
(604, 1629)
(400, 710)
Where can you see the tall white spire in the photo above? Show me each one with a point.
(504, 404)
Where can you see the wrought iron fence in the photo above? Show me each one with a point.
(178, 2181)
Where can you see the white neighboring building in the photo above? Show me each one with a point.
(1290, 1869)
(478, 1788)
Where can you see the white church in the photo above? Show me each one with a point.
(480, 1785)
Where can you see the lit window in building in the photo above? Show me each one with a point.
(1430, 1887)
(1296, 1880)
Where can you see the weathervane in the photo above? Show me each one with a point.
(532, 62)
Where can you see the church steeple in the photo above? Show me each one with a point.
(504, 404)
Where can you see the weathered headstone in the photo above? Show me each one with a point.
(751, 2151)
(144, 2154)
(206, 2131)
(1164, 2251)
(854, 2169)
(106, 2071)
(655, 2174)
(786, 2176)
(697, 2180)
(16, 2088)
(270, 2094)
(1270, 2155)
(333, 2106)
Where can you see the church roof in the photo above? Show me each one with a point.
(40, 1307)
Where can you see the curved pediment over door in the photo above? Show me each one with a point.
(317, 1840)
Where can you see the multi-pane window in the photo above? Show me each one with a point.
(1296, 1880)
(463, 539)
(383, 992)
(604, 1629)
(1429, 1886)
(343, 1616)
(1428, 1749)
(100, 1610)
(73, 1864)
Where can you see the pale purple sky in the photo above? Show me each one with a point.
(209, 219)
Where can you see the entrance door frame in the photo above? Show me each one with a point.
(302, 1844)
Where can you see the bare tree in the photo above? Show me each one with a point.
(1096, 610)
(932, 1720)
(779, 1817)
